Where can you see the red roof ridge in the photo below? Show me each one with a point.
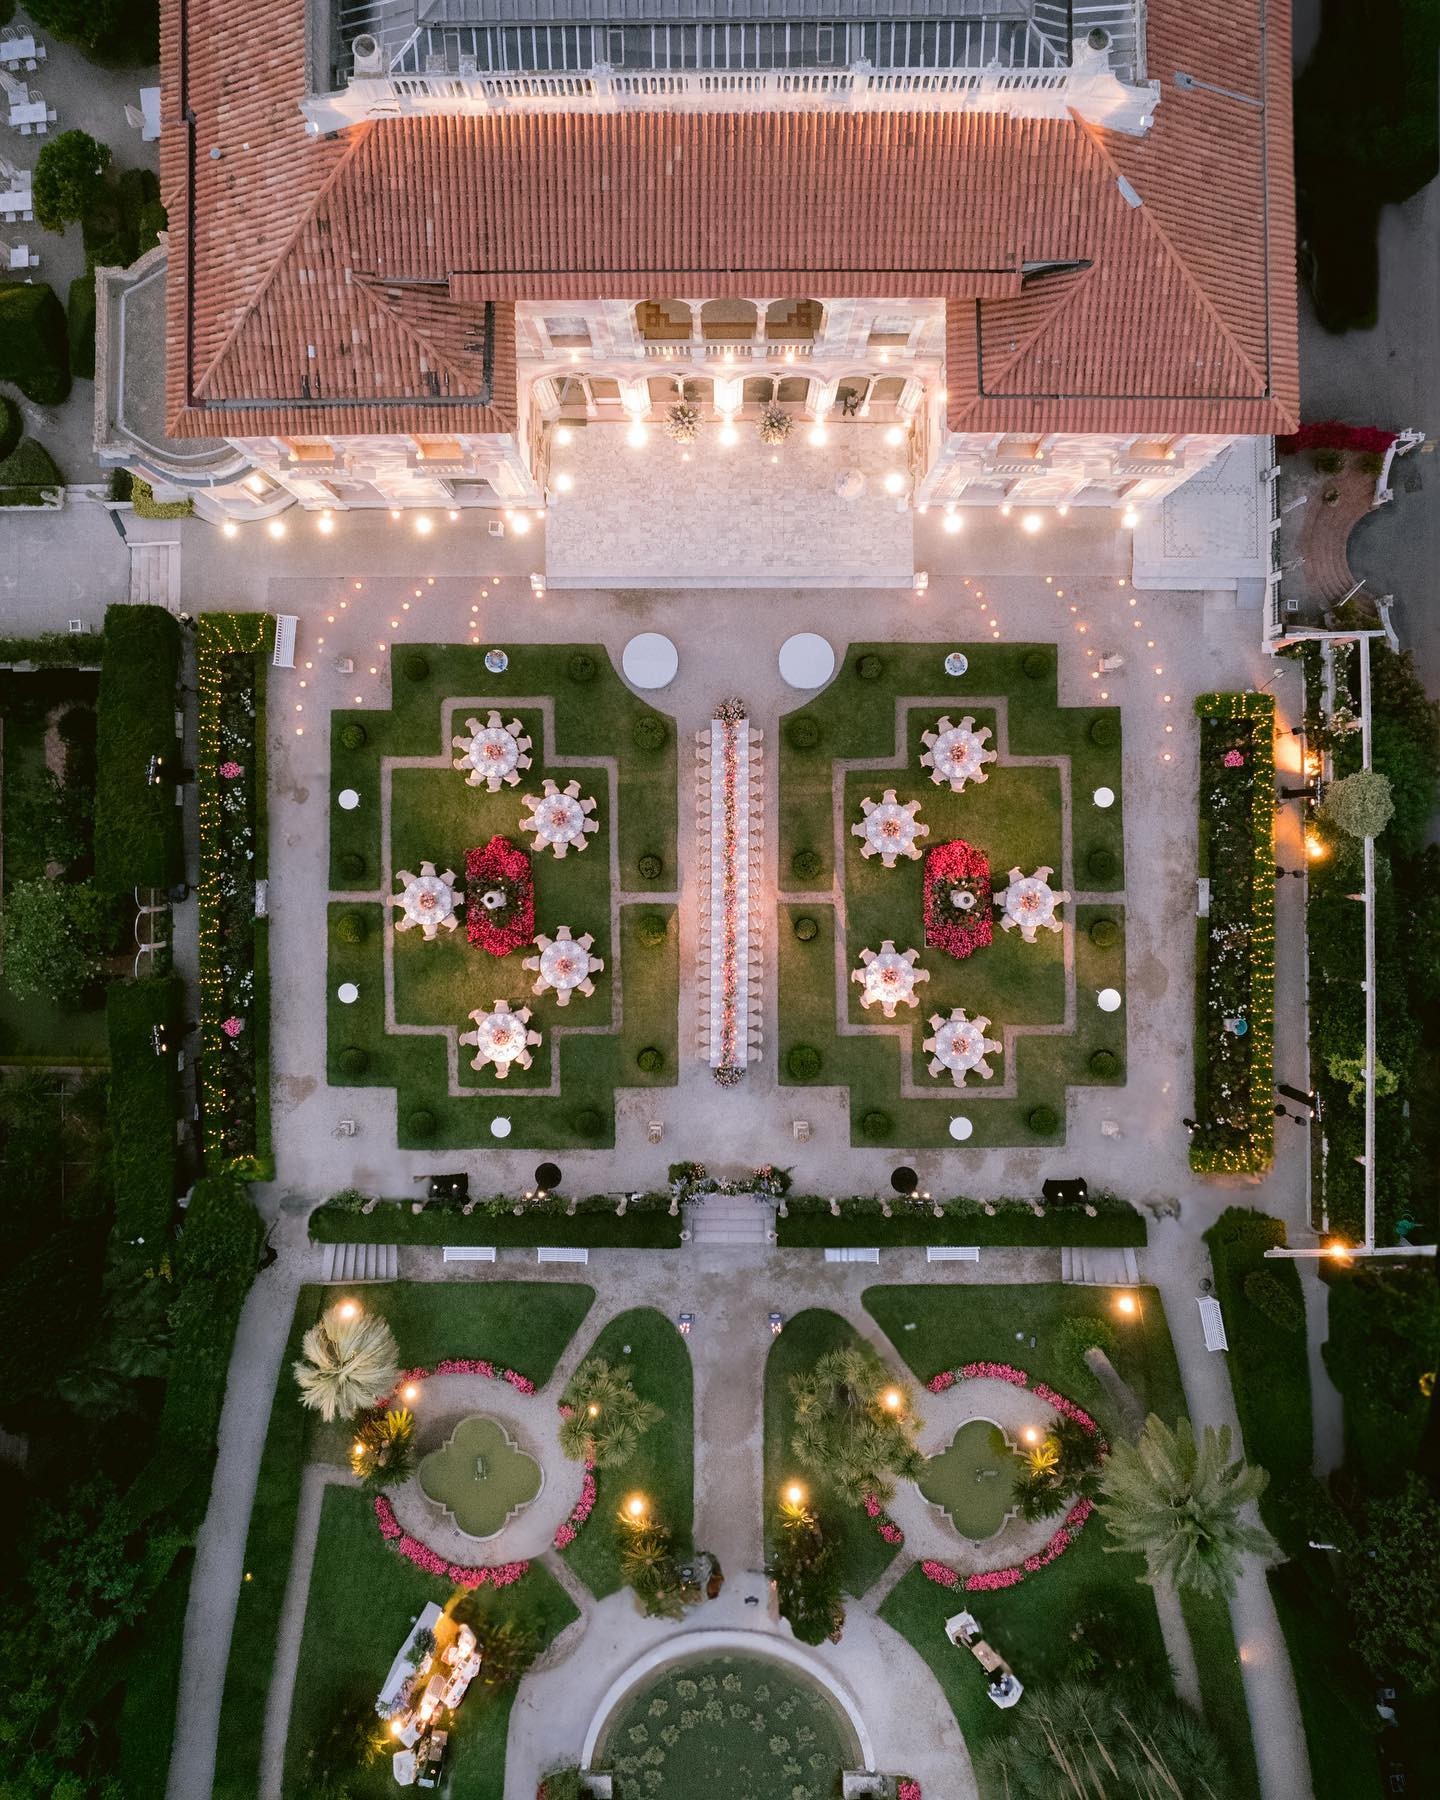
(1092, 134)
(303, 219)
(1059, 292)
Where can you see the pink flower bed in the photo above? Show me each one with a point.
(467, 1365)
(907, 1789)
(991, 1581)
(884, 1524)
(500, 1575)
(580, 1512)
(505, 865)
(947, 867)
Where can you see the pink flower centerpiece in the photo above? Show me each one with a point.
(958, 903)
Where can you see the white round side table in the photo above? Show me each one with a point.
(500, 1128)
(347, 799)
(650, 660)
(960, 1128)
(347, 993)
(1108, 999)
(807, 660)
(1104, 797)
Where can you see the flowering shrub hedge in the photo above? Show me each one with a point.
(996, 1371)
(500, 1575)
(1235, 953)
(234, 1069)
(889, 1531)
(952, 868)
(466, 1365)
(580, 1512)
(504, 867)
(990, 1581)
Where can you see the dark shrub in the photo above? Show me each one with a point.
(1035, 664)
(80, 322)
(25, 474)
(34, 342)
(876, 1124)
(652, 930)
(352, 1060)
(589, 1123)
(420, 1123)
(1280, 1306)
(649, 733)
(1104, 1063)
(1042, 1121)
(1370, 462)
(354, 736)
(802, 732)
(806, 929)
(1100, 864)
(650, 1060)
(137, 830)
(582, 667)
(650, 866)
(416, 666)
(802, 1062)
(1105, 730)
(352, 865)
(1104, 934)
(869, 667)
(805, 865)
(1328, 462)
(351, 928)
(9, 425)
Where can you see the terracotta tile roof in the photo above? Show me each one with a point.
(343, 285)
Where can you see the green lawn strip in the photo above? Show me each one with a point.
(521, 1325)
(392, 1222)
(864, 1555)
(663, 1466)
(1332, 1685)
(1029, 1625)
(965, 1222)
(1222, 1688)
(152, 1685)
(363, 1599)
(941, 1327)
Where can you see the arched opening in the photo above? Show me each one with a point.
(663, 321)
(793, 321)
(727, 321)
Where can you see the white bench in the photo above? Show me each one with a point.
(285, 624)
(851, 1253)
(561, 1253)
(1212, 1322)
(469, 1253)
(952, 1253)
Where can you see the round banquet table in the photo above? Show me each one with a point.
(889, 977)
(564, 965)
(650, 660)
(428, 900)
(806, 660)
(960, 1045)
(493, 751)
(1030, 901)
(957, 754)
(499, 1037)
(559, 819)
(891, 827)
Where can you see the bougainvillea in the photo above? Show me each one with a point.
(990, 1581)
(499, 1575)
(954, 872)
(580, 1512)
(499, 872)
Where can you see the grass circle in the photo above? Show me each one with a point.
(648, 733)
(1105, 730)
(351, 865)
(1100, 864)
(869, 667)
(876, 1124)
(353, 736)
(589, 1122)
(582, 667)
(351, 928)
(1104, 1063)
(420, 1123)
(416, 666)
(650, 866)
(650, 1060)
(1035, 664)
(652, 930)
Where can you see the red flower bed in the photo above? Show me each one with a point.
(1330, 434)
(948, 927)
(504, 867)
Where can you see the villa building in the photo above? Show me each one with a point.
(1044, 246)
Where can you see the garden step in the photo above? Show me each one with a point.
(1089, 1267)
(360, 1262)
(731, 1221)
(155, 574)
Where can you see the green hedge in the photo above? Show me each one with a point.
(1234, 1075)
(144, 1093)
(80, 319)
(137, 825)
(216, 1260)
(810, 1223)
(34, 342)
(594, 1226)
(1269, 1366)
(27, 474)
(55, 650)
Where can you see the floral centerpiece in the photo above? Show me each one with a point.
(682, 422)
(500, 897)
(957, 898)
(775, 424)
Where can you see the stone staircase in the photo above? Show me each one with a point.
(351, 1263)
(155, 573)
(1099, 1268)
(730, 1222)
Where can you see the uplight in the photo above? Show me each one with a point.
(255, 483)
(895, 435)
(637, 436)
(729, 436)
(519, 524)
(348, 1309)
(230, 528)
(1130, 518)
(894, 482)
(424, 524)
(794, 1493)
(953, 523)
(1125, 1303)
(1031, 523)
(276, 528)
(564, 483)
(819, 435)
(326, 523)
(564, 435)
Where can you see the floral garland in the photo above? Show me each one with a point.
(948, 929)
(501, 1575)
(580, 1512)
(505, 866)
(730, 715)
(889, 1531)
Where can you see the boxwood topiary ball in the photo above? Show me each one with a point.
(416, 666)
(1035, 664)
(582, 667)
(589, 1123)
(351, 928)
(1104, 1063)
(354, 736)
(869, 667)
(806, 865)
(1104, 934)
(420, 1123)
(876, 1124)
(652, 929)
(650, 867)
(648, 733)
(802, 732)
(806, 929)
(802, 1062)
(1100, 864)
(1105, 730)
(650, 1060)
(1042, 1121)
(353, 1060)
(352, 865)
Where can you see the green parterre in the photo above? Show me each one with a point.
(863, 735)
(582, 723)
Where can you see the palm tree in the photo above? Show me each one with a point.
(1178, 1502)
(383, 1453)
(1058, 1470)
(603, 1417)
(349, 1362)
(855, 1424)
(1107, 1742)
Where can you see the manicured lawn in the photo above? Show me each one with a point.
(437, 817)
(1016, 818)
(152, 1685)
(525, 1325)
(864, 1555)
(1222, 1689)
(1030, 1625)
(663, 1466)
(937, 1328)
(1332, 1685)
(728, 1725)
(363, 1599)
